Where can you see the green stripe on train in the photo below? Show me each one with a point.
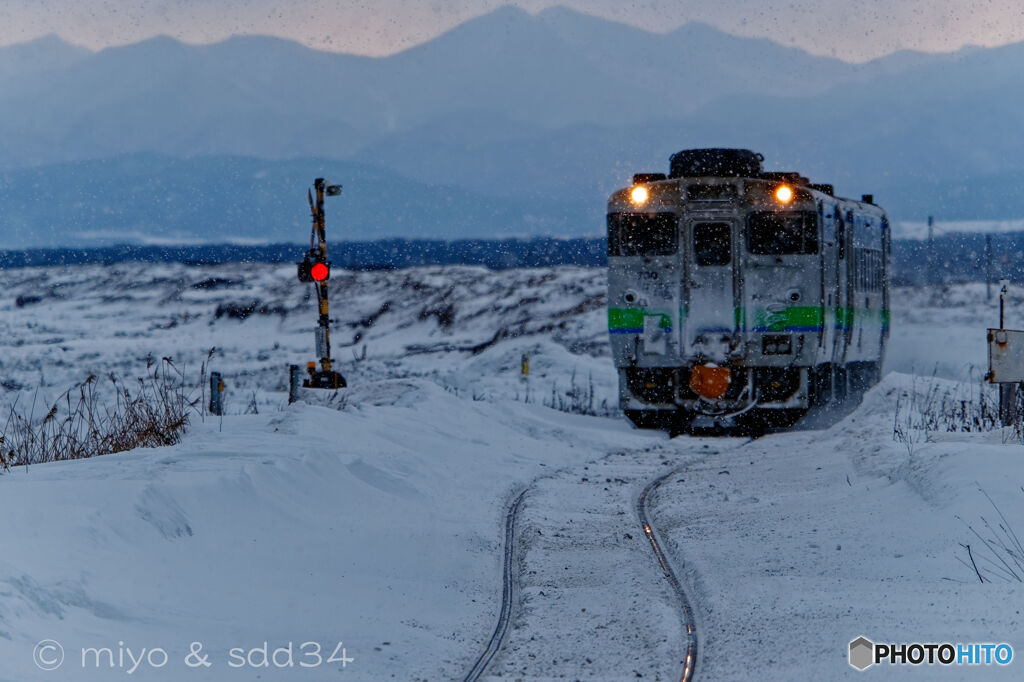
(780, 320)
(633, 318)
(791, 317)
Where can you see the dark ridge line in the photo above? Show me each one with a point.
(957, 257)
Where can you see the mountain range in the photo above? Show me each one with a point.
(524, 123)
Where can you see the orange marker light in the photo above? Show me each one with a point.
(710, 382)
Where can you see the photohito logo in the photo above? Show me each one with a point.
(864, 653)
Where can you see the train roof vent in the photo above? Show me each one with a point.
(716, 162)
(641, 178)
(791, 177)
(827, 189)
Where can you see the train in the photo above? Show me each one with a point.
(740, 298)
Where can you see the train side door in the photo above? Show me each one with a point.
(711, 294)
(826, 340)
(835, 286)
(844, 282)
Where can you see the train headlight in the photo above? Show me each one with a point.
(784, 194)
(639, 195)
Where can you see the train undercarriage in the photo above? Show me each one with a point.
(756, 399)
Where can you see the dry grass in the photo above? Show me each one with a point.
(90, 420)
(577, 399)
(933, 406)
(998, 554)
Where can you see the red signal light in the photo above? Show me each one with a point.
(319, 272)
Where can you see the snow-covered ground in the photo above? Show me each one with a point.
(375, 517)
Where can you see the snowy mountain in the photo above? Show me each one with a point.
(36, 58)
(530, 119)
(262, 96)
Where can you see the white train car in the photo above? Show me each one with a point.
(740, 297)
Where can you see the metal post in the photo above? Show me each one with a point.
(1008, 412)
(216, 394)
(988, 267)
(931, 250)
(294, 383)
(1004, 286)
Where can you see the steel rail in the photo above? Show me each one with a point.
(689, 623)
(507, 591)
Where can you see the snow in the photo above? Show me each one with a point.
(798, 543)
(375, 517)
(941, 331)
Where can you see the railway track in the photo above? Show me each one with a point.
(689, 623)
(510, 588)
(507, 592)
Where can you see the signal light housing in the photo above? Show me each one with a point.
(314, 271)
(320, 272)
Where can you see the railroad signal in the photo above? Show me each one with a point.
(316, 269)
(320, 272)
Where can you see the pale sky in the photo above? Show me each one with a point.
(854, 30)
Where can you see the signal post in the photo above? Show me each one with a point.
(316, 269)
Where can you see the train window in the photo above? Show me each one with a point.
(641, 234)
(711, 192)
(712, 243)
(774, 234)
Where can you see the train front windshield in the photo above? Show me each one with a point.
(776, 234)
(641, 234)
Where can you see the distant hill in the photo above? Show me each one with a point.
(508, 124)
(262, 96)
(22, 62)
(160, 199)
(154, 199)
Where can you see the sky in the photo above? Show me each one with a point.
(381, 27)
